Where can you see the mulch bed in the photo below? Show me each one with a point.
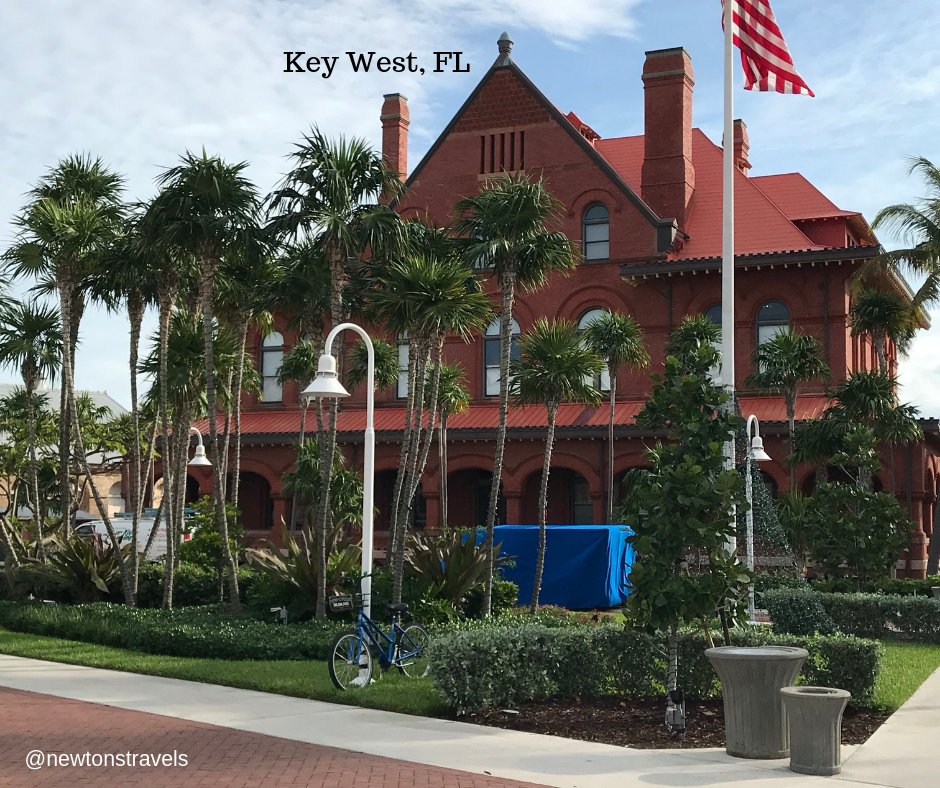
(638, 722)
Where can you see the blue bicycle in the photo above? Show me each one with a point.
(351, 655)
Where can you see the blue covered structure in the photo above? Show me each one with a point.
(586, 566)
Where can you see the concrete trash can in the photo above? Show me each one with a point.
(751, 680)
(814, 716)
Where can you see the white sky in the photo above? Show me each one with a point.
(139, 81)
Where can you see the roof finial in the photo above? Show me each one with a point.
(505, 48)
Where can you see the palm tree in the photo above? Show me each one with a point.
(333, 197)
(693, 332)
(919, 226)
(618, 339)
(72, 216)
(552, 369)
(452, 398)
(783, 363)
(207, 208)
(31, 341)
(883, 315)
(505, 229)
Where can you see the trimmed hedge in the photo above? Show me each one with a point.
(186, 632)
(509, 665)
(905, 586)
(914, 618)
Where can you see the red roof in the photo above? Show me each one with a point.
(486, 416)
(797, 197)
(760, 224)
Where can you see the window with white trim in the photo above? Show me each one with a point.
(491, 355)
(600, 381)
(596, 226)
(272, 356)
(773, 318)
(713, 314)
(401, 390)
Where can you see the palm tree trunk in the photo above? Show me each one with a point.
(442, 462)
(552, 408)
(405, 448)
(432, 416)
(167, 297)
(65, 432)
(237, 407)
(791, 435)
(135, 314)
(295, 502)
(206, 292)
(29, 382)
(508, 286)
(880, 339)
(610, 444)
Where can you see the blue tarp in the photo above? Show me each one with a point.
(586, 566)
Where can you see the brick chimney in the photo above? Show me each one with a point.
(668, 177)
(395, 121)
(741, 146)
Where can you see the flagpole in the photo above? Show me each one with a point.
(727, 241)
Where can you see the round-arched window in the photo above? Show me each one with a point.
(596, 226)
(601, 380)
(491, 355)
(773, 318)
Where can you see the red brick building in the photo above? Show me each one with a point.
(646, 210)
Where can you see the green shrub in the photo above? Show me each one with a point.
(885, 585)
(186, 632)
(865, 615)
(505, 597)
(193, 585)
(505, 664)
(797, 611)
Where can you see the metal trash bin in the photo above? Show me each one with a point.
(751, 680)
(814, 716)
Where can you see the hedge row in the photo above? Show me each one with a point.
(905, 586)
(506, 666)
(866, 615)
(186, 632)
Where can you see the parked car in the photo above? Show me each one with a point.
(123, 529)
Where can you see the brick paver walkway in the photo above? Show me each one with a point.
(216, 756)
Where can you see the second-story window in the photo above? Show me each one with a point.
(491, 355)
(272, 355)
(773, 318)
(713, 314)
(401, 390)
(596, 232)
(600, 381)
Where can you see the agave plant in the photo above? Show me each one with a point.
(86, 571)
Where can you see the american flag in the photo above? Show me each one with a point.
(764, 54)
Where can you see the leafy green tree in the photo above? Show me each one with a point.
(883, 315)
(337, 197)
(505, 229)
(680, 504)
(694, 332)
(208, 209)
(618, 339)
(555, 366)
(781, 365)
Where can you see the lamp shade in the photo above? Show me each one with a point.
(199, 458)
(326, 383)
(757, 450)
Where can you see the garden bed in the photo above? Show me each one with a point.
(638, 722)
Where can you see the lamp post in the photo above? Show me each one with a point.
(755, 453)
(199, 458)
(326, 384)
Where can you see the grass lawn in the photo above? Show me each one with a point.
(301, 679)
(904, 669)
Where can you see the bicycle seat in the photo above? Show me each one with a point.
(400, 607)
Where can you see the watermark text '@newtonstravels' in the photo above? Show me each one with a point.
(40, 759)
(370, 62)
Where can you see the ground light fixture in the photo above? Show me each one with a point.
(755, 453)
(326, 385)
(199, 458)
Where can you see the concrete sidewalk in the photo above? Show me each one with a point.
(899, 755)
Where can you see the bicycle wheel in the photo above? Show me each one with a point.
(350, 661)
(413, 652)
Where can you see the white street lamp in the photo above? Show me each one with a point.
(326, 384)
(199, 458)
(755, 453)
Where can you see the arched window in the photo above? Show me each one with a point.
(601, 380)
(402, 388)
(115, 498)
(272, 355)
(596, 232)
(491, 355)
(713, 315)
(773, 318)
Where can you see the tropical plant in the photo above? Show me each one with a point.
(884, 315)
(31, 342)
(792, 507)
(555, 366)
(208, 209)
(618, 339)
(336, 197)
(85, 571)
(505, 229)
(452, 398)
(781, 364)
(427, 295)
(694, 332)
(679, 505)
